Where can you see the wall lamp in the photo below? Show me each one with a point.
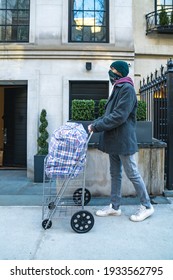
(88, 66)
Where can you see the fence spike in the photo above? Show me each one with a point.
(170, 64)
(161, 70)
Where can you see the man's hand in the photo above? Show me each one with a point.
(90, 128)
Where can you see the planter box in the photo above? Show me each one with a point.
(150, 160)
(144, 131)
(165, 29)
(38, 168)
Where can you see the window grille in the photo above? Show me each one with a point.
(14, 20)
(88, 21)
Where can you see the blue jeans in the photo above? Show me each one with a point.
(131, 170)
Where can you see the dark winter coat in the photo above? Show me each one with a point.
(118, 125)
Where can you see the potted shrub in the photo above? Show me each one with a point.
(143, 127)
(141, 111)
(163, 21)
(42, 148)
(83, 111)
(171, 18)
(102, 104)
(163, 17)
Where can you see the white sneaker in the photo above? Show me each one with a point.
(142, 213)
(108, 210)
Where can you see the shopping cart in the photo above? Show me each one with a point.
(64, 191)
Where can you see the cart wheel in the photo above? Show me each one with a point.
(46, 224)
(51, 205)
(77, 196)
(82, 221)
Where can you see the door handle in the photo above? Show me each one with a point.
(5, 136)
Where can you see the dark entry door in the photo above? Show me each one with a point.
(15, 120)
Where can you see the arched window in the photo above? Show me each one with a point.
(88, 21)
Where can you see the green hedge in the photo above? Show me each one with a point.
(141, 110)
(83, 110)
(102, 104)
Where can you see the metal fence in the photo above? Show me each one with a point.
(157, 22)
(157, 91)
(153, 91)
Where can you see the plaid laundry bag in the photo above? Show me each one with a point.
(67, 151)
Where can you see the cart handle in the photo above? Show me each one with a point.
(89, 137)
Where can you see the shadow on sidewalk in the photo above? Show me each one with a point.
(18, 190)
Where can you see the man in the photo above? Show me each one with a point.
(118, 139)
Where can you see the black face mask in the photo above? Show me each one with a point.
(113, 77)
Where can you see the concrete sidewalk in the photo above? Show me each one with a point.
(112, 238)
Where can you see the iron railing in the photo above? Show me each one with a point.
(154, 24)
(157, 91)
(153, 91)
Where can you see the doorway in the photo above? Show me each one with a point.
(13, 126)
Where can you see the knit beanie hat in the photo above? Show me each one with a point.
(121, 66)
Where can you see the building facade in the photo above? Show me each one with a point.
(153, 40)
(52, 51)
